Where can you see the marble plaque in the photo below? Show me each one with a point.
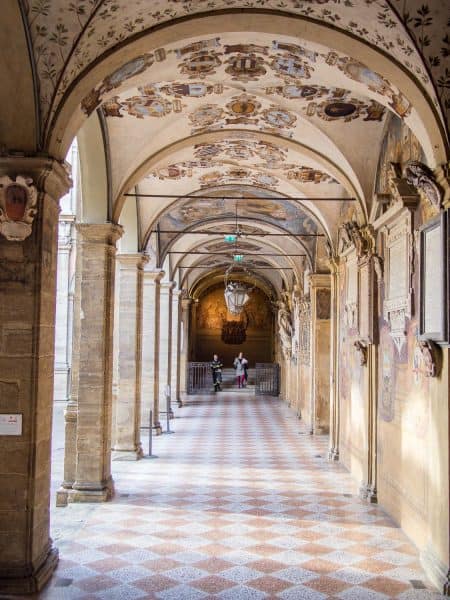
(10, 424)
(433, 284)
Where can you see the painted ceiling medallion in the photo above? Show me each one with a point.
(149, 106)
(308, 175)
(18, 199)
(278, 117)
(130, 69)
(206, 115)
(245, 67)
(291, 67)
(200, 64)
(197, 89)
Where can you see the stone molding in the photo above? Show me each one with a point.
(49, 175)
(132, 261)
(100, 233)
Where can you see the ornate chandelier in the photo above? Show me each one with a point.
(237, 293)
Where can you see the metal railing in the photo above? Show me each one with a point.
(199, 378)
(267, 379)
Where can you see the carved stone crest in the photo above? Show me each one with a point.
(18, 199)
(421, 177)
(361, 349)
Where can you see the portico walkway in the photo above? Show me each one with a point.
(241, 503)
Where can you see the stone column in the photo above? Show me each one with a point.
(175, 348)
(184, 346)
(165, 343)
(71, 410)
(320, 352)
(27, 330)
(150, 348)
(127, 410)
(93, 481)
(63, 312)
(333, 453)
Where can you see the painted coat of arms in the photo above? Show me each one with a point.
(18, 199)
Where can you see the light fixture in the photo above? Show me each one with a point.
(237, 293)
(238, 257)
(230, 238)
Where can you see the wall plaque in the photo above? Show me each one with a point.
(365, 300)
(351, 295)
(397, 301)
(434, 280)
(10, 424)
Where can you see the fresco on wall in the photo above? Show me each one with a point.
(212, 310)
(399, 146)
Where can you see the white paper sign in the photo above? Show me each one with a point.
(10, 424)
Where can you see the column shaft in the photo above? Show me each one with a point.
(150, 348)
(184, 346)
(127, 413)
(165, 344)
(175, 348)
(93, 481)
(27, 330)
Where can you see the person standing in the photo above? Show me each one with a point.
(216, 367)
(240, 364)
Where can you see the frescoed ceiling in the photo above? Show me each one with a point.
(68, 36)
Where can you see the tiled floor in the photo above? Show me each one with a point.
(241, 504)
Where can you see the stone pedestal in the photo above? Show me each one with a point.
(93, 481)
(150, 349)
(127, 409)
(175, 349)
(27, 329)
(165, 344)
(184, 345)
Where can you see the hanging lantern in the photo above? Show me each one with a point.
(236, 296)
(230, 238)
(238, 257)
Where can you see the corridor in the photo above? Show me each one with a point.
(241, 503)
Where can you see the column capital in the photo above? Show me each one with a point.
(132, 261)
(48, 174)
(176, 294)
(99, 233)
(320, 280)
(167, 286)
(186, 303)
(152, 276)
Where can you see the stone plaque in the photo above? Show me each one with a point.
(10, 424)
(397, 301)
(365, 303)
(433, 281)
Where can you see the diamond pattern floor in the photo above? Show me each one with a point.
(241, 504)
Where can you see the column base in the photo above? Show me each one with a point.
(28, 579)
(437, 572)
(368, 493)
(82, 492)
(157, 428)
(127, 455)
(333, 454)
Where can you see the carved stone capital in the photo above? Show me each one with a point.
(403, 192)
(99, 233)
(132, 261)
(422, 178)
(442, 176)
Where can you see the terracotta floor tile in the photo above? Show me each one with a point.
(320, 566)
(269, 584)
(213, 565)
(266, 565)
(386, 585)
(373, 566)
(327, 585)
(155, 583)
(212, 584)
(160, 565)
(107, 564)
(96, 583)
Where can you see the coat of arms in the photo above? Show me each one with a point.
(18, 200)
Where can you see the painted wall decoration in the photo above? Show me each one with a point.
(130, 69)
(387, 376)
(67, 38)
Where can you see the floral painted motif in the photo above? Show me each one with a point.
(67, 37)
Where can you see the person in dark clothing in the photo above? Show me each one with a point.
(216, 367)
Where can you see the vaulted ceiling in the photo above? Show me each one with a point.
(271, 113)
